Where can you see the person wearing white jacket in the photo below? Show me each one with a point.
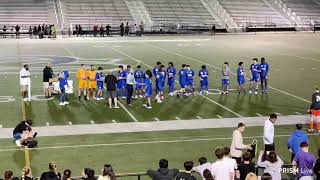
(268, 133)
(237, 145)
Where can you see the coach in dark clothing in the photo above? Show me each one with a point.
(187, 175)
(108, 30)
(163, 173)
(47, 75)
(122, 29)
(111, 83)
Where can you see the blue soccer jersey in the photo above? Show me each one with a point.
(204, 83)
(99, 78)
(190, 75)
(264, 70)
(171, 72)
(240, 75)
(148, 87)
(122, 75)
(182, 78)
(155, 70)
(160, 79)
(255, 71)
(139, 75)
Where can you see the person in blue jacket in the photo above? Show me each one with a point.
(297, 137)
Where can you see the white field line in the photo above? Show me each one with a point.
(177, 118)
(141, 142)
(198, 117)
(278, 114)
(156, 119)
(298, 113)
(260, 115)
(114, 121)
(196, 60)
(139, 61)
(129, 113)
(219, 116)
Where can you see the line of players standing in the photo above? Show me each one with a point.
(144, 87)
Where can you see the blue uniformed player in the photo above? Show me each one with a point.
(139, 75)
(171, 73)
(190, 79)
(147, 89)
(100, 79)
(160, 79)
(182, 80)
(241, 78)
(225, 81)
(255, 73)
(121, 84)
(155, 72)
(264, 67)
(204, 84)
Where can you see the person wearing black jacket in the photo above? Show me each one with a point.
(163, 173)
(47, 75)
(52, 174)
(108, 27)
(22, 132)
(121, 29)
(187, 175)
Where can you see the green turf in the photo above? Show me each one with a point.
(135, 157)
(292, 57)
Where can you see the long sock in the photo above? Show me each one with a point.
(311, 123)
(318, 123)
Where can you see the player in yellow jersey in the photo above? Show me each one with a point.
(82, 77)
(92, 82)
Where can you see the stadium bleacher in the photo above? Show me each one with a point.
(308, 10)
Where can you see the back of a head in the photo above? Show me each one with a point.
(266, 176)
(226, 151)
(66, 174)
(219, 152)
(304, 145)
(163, 163)
(202, 160)
(207, 174)
(108, 171)
(246, 156)
(188, 165)
(8, 175)
(272, 157)
(251, 176)
(299, 126)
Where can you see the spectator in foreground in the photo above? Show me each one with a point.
(232, 162)
(267, 176)
(221, 169)
(237, 145)
(107, 173)
(251, 176)
(297, 137)
(163, 173)
(272, 164)
(316, 168)
(268, 135)
(88, 174)
(203, 165)
(187, 175)
(245, 167)
(52, 174)
(8, 175)
(207, 175)
(305, 162)
(26, 174)
(67, 174)
(111, 83)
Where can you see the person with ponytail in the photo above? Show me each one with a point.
(107, 173)
(26, 174)
(52, 174)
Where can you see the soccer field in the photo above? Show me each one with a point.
(293, 59)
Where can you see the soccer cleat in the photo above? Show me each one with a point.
(207, 93)
(310, 130)
(159, 101)
(256, 92)
(250, 92)
(65, 103)
(149, 107)
(200, 92)
(94, 98)
(85, 98)
(110, 107)
(79, 98)
(116, 107)
(18, 143)
(136, 97)
(61, 104)
(144, 105)
(88, 98)
(162, 97)
(25, 99)
(141, 96)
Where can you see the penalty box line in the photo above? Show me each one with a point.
(209, 99)
(142, 142)
(196, 60)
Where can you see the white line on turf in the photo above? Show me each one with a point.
(139, 61)
(129, 113)
(69, 122)
(278, 114)
(260, 115)
(114, 121)
(142, 142)
(156, 119)
(196, 60)
(198, 117)
(298, 113)
(177, 118)
(219, 116)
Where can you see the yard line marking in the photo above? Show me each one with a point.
(92, 122)
(142, 142)
(47, 124)
(278, 114)
(70, 123)
(114, 121)
(156, 119)
(260, 115)
(196, 60)
(129, 113)
(219, 116)
(139, 61)
(298, 113)
(198, 117)
(177, 118)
